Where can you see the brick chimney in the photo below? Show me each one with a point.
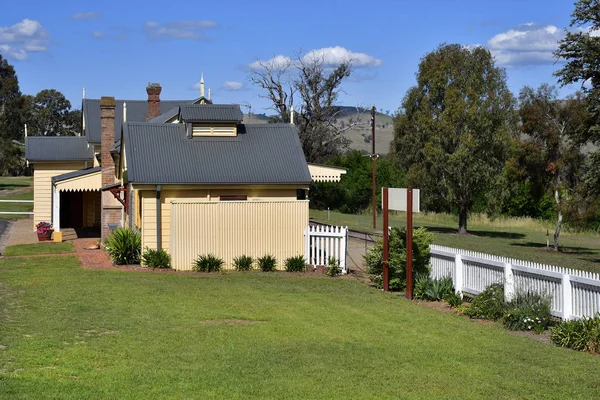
(110, 211)
(153, 90)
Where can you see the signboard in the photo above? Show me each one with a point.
(398, 197)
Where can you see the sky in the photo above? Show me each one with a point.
(115, 48)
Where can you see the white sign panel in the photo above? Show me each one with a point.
(397, 199)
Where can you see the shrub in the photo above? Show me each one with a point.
(124, 246)
(527, 312)
(582, 335)
(334, 268)
(295, 264)
(489, 304)
(267, 263)
(243, 263)
(156, 258)
(433, 289)
(454, 300)
(208, 263)
(397, 257)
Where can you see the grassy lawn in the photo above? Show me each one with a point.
(71, 333)
(39, 248)
(16, 207)
(517, 238)
(15, 182)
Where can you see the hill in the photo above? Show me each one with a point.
(360, 133)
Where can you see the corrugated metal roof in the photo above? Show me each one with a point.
(211, 113)
(162, 118)
(75, 174)
(136, 112)
(57, 148)
(262, 153)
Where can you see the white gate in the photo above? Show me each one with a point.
(322, 242)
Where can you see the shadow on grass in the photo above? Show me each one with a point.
(16, 185)
(562, 249)
(488, 234)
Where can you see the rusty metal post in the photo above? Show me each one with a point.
(386, 243)
(373, 166)
(409, 243)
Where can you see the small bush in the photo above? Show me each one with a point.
(295, 264)
(208, 263)
(397, 257)
(582, 335)
(267, 263)
(156, 258)
(489, 304)
(124, 246)
(436, 289)
(527, 312)
(334, 268)
(243, 263)
(454, 300)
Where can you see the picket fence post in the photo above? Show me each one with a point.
(567, 297)
(509, 282)
(458, 274)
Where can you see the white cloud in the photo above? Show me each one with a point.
(86, 15)
(232, 85)
(336, 55)
(98, 34)
(527, 44)
(192, 30)
(22, 38)
(331, 56)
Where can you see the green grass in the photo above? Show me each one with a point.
(16, 207)
(16, 182)
(521, 238)
(70, 333)
(39, 248)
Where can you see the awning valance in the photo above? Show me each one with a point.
(79, 181)
(325, 173)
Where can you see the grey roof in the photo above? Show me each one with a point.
(262, 153)
(57, 148)
(164, 117)
(75, 174)
(211, 113)
(136, 112)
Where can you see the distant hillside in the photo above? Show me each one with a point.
(360, 133)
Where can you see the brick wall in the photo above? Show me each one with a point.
(153, 91)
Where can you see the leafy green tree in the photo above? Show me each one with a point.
(555, 131)
(452, 131)
(11, 118)
(50, 114)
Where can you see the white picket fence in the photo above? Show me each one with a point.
(574, 293)
(322, 242)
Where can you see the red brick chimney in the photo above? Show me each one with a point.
(153, 90)
(110, 210)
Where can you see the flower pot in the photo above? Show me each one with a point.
(42, 237)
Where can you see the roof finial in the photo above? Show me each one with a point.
(292, 115)
(202, 85)
(124, 111)
(83, 95)
(25, 130)
(208, 94)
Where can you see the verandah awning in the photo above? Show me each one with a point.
(81, 180)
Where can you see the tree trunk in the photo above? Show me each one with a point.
(462, 219)
(560, 217)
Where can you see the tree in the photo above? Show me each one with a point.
(556, 131)
(315, 86)
(581, 51)
(50, 114)
(11, 116)
(452, 131)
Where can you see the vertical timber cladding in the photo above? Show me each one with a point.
(230, 229)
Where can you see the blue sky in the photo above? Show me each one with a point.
(115, 48)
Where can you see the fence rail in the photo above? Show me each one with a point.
(16, 212)
(322, 242)
(574, 293)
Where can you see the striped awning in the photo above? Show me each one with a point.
(79, 181)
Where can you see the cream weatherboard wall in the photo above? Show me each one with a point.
(147, 208)
(230, 229)
(42, 186)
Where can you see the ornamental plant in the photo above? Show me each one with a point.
(44, 227)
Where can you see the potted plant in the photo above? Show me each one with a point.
(44, 231)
